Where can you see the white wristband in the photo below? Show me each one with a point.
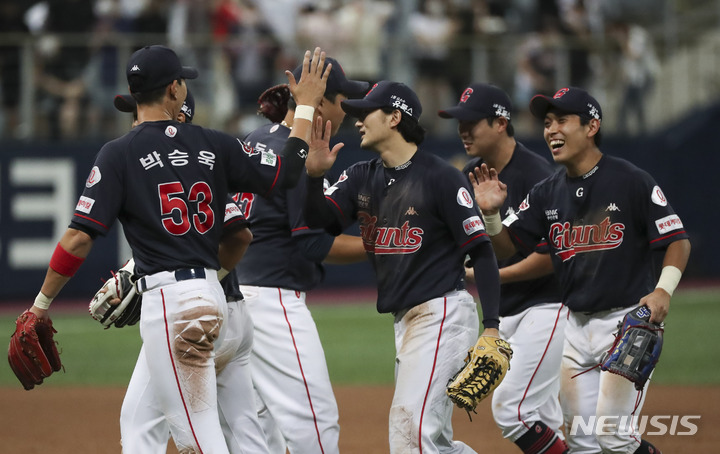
(42, 301)
(305, 113)
(222, 272)
(493, 224)
(669, 279)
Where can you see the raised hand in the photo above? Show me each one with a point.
(309, 90)
(320, 157)
(490, 192)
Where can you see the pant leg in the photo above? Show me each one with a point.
(179, 324)
(431, 341)
(529, 391)
(236, 397)
(142, 424)
(290, 372)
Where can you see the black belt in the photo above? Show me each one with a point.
(183, 274)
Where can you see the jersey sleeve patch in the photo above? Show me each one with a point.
(94, 177)
(268, 159)
(232, 211)
(668, 223)
(658, 197)
(464, 198)
(473, 224)
(85, 204)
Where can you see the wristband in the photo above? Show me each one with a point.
(669, 279)
(304, 112)
(42, 301)
(63, 262)
(222, 272)
(493, 224)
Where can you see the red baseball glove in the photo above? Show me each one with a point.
(33, 354)
(273, 103)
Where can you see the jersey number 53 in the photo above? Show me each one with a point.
(175, 211)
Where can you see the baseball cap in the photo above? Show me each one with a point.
(385, 94)
(572, 100)
(480, 101)
(155, 66)
(337, 82)
(126, 103)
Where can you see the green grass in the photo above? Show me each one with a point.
(359, 345)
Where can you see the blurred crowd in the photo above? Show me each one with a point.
(72, 53)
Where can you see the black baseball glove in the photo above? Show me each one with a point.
(104, 306)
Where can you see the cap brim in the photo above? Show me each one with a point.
(125, 103)
(357, 107)
(355, 88)
(188, 72)
(539, 106)
(461, 113)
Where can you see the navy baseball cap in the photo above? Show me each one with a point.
(480, 101)
(385, 94)
(571, 100)
(155, 66)
(337, 82)
(126, 103)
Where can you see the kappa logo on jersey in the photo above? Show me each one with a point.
(171, 131)
(135, 68)
(669, 223)
(472, 225)
(389, 240)
(94, 177)
(411, 212)
(612, 207)
(658, 197)
(249, 150)
(85, 204)
(510, 211)
(570, 240)
(464, 198)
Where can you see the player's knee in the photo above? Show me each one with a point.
(403, 428)
(612, 443)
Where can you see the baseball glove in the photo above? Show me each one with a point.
(273, 103)
(485, 367)
(32, 354)
(119, 286)
(636, 349)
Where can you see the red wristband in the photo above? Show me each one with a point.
(64, 262)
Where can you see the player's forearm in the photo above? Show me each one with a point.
(233, 247)
(533, 266)
(346, 249)
(487, 281)
(503, 245)
(677, 254)
(293, 155)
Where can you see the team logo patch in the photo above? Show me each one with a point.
(268, 159)
(473, 224)
(658, 197)
(669, 223)
(464, 198)
(466, 94)
(94, 177)
(274, 128)
(171, 131)
(525, 204)
(85, 204)
(247, 149)
(343, 177)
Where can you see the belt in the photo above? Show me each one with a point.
(168, 277)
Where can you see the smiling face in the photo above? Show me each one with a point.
(568, 139)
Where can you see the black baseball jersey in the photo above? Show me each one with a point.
(234, 220)
(167, 182)
(602, 229)
(274, 258)
(524, 170)
(417, 222)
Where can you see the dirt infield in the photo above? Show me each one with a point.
(86, 421)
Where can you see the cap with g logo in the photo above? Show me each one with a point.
(480, 101)
(385, 94)
(153, 67)
(570, 100)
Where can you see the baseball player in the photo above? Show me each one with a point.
(525, 405)
(296, 403)
(604, 218)
(142, 426)
(418, 220)
(166, 182)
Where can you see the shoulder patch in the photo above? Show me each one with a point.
(464, 198)
(473, 224)
(669, 223)
(94, 177)
(274, 128)
(268, 159)
(658, 197)
(249, 150)
(85, 204)
(171, 131)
